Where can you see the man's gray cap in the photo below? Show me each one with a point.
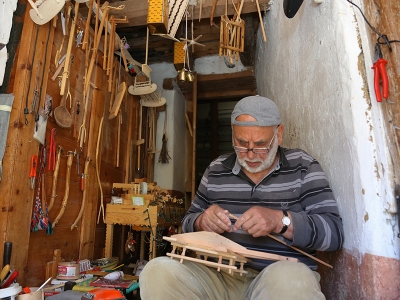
(260, 108)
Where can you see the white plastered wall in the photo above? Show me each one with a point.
(170, 176)
(317, 68)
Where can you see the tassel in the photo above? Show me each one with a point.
(164, 156)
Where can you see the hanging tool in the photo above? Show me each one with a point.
(65, 74)
(52, 149)
(380, 74)
(32, 174)
(55, 177)
(66, 194)
(36, 90)
(85, 174)
(101, 209)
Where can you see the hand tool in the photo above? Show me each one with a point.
(9, 279)
(7, 253)
(32, 175)
(380, 74)
(294, 248)
(4, 272)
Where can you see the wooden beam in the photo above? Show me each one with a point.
(136, 10)
(217, 86)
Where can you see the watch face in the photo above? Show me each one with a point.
(286, 221)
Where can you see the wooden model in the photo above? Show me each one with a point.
(211, 244)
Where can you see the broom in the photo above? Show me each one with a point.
(164, 156)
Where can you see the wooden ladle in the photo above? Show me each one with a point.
(61, 114)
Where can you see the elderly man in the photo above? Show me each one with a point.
(269, 190)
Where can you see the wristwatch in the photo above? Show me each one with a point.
(285, 222)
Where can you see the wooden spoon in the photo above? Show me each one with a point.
(61, 114)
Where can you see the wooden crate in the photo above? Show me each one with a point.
(157, 17)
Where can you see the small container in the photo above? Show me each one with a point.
(68, 270)
(33, 295)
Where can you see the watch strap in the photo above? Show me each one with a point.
(285, 227)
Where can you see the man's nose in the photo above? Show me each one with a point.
(251, 154)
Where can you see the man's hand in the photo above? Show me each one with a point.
(213, 219)
(259, 221)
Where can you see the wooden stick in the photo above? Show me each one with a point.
(101, 209)
(69, 50)
(261, 21)
(189, 125)
(110, 50)
(105, 43)
(86, 36)
(119, 136)
(294, 248)
(55, 176)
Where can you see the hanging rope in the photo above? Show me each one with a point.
(164, 156)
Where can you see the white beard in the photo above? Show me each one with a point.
(265, 164)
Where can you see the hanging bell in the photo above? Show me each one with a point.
(189, 76)
(182, 75)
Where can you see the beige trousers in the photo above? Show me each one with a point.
(164, 278)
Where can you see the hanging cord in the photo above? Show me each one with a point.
(382, 38)
(26, 111)
(43, 74)
(185, 47)
(164, 156)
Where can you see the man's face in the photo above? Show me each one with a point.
(264, 141)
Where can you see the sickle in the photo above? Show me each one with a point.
(65, 200)
(85, 174)
(55, 175)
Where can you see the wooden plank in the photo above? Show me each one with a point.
(136, 10)
(18, 197)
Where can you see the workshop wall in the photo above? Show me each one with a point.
(33, 248)
(317, 68)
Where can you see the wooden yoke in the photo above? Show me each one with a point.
(67, 179)
(85, 174)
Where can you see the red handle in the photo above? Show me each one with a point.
(384, 77)
(380, 74)
(34, 161)
(83, 182)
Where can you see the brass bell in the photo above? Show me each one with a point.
(189, 76)
(182, 75)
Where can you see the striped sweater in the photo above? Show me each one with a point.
(297, 184)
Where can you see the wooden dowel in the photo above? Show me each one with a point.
(294, 248)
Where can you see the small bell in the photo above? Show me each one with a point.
(189, 76)
(182, 75)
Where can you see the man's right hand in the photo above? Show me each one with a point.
(213, 219)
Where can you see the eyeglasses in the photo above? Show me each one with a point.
(255, 150)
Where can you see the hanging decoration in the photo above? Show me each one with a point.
(164, 156)
(142, 84)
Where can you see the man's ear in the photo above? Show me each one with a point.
(280, 134)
